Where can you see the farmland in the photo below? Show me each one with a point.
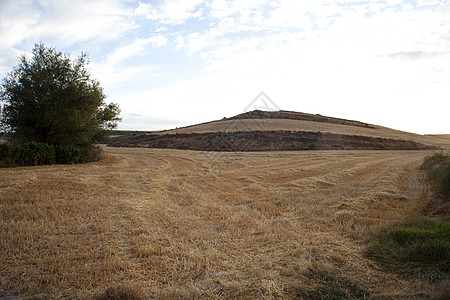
(180, 223)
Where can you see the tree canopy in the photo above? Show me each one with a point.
(51, 98)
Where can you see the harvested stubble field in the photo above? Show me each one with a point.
(186, 224)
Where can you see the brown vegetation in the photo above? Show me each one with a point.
(264, 141)
(183, 224)
(298, 122)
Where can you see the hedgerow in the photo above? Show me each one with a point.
(34, 154)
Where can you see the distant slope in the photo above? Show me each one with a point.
(246, 128)
(308, 122)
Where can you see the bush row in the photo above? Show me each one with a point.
(438, 171)
(34, 154)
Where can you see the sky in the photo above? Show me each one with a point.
(171, 63)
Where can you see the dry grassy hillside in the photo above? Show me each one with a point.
(211, 225)
(336, 126)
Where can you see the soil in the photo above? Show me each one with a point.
(263, 141)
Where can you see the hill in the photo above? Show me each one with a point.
(170, 224)
(282, 130)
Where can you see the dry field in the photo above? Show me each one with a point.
(185, 224)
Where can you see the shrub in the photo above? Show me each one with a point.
(71, 154)
(95, 153)
(440, 176)
(434, 160)
(29, 154)
(33, 154)
(419, 248)
(5, 155)
(438, 171)
(312, 146)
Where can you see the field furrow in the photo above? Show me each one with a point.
(206, 224)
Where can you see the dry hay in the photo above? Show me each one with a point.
(183, 224)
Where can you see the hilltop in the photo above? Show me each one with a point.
(281, 130)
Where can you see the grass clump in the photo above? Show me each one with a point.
(420, 248)
(122, 292)
(332, 288)
(438, 172)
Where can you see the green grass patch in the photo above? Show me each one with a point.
(438, 173)
(419, 248)
(332, 288)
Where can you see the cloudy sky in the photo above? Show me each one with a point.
(178, 62)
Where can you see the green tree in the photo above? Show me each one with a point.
(52, 98)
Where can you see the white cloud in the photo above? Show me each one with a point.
(290, 14)
(125, 52)
(179, 43)
(421, 3)
(122, 69)
(226, 8)
(75, 21)
(393, 2)
(16, 17)
(120, 80)
(8, 56)
(170, 11)
(64, 20)
(207, 59)
(419, 55)
(133, 49)
(195, 42)
(337, 63)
